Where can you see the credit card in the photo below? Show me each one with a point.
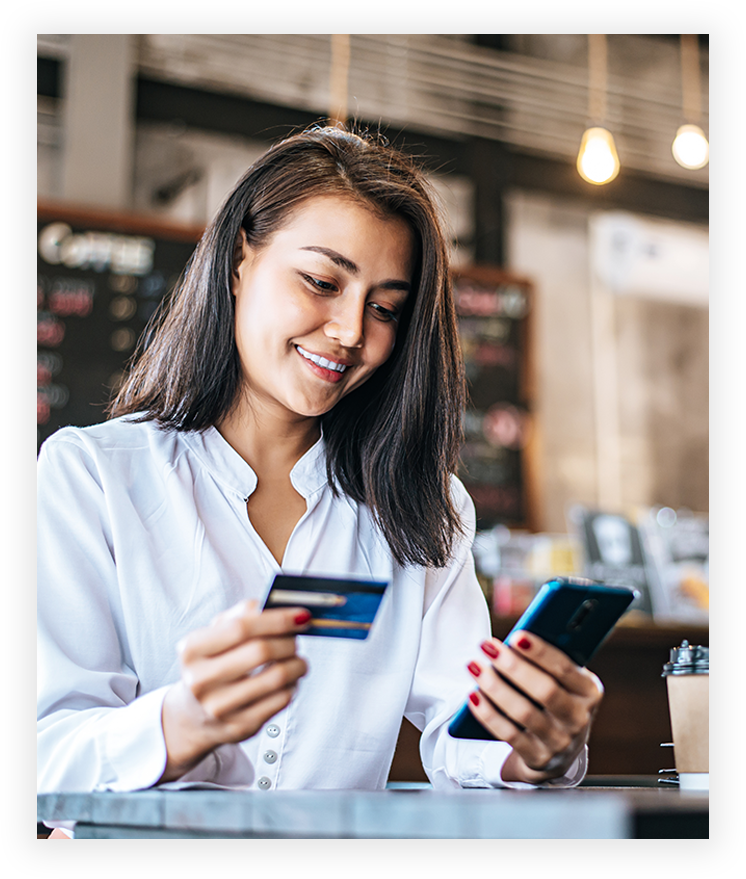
(339, 607)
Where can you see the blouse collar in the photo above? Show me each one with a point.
(229, 468)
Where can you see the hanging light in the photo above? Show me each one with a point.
(690, 147)
(598, 161)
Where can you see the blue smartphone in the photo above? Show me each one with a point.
(571, 613)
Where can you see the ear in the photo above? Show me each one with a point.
(240, 252)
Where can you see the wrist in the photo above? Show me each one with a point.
(184, 733)
(515, 769)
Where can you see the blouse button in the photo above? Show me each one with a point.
(270, 757)
(273, 731)
(264, 783)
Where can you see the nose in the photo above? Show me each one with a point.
(345, 323)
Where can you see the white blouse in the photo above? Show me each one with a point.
(143, 536)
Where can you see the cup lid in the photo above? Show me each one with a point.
(688, 659)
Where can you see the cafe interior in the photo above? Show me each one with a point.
(572, 171)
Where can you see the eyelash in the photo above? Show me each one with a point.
(320, 286)
(384, 314)
(325, 287)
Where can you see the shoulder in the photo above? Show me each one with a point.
(110, 441)
(459, 495)
(463, 503)
(118, 434)
(119, 464)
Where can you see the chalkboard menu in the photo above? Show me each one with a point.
(494, 313)
(100, 277)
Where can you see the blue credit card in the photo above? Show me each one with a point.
(339, 607)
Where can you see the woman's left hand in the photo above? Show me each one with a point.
(547, 724)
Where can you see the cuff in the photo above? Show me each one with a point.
(135, 747)
(136, 751)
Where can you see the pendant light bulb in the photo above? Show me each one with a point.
(598, 161)
(690, 147)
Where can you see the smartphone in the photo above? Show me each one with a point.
(341, 607)
(571, 613)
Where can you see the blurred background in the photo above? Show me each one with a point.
(583, 305)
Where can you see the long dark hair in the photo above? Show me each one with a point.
(392, 444)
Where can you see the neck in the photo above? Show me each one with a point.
(268, 442)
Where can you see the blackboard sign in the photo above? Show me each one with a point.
(494, 313)
(100, 276)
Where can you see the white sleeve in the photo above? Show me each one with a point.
(95, 730)
(455, 622)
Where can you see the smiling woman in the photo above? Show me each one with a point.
(295, 408)
(354, 213)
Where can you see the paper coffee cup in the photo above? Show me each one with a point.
(688, 684)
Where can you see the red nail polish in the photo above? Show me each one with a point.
(524, 643)
(474, 669)
(474, 698)
(489, 648)
(303, 617)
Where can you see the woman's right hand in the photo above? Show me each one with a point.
(236, 673)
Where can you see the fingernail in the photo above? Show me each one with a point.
(474, 698)
(303, 617)
(474, 669)
(489, 648)
(524, 643)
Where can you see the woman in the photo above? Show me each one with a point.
(295, 408)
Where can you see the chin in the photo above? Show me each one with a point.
(309, 410)
(315, 408)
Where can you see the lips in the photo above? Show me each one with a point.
(322, 362)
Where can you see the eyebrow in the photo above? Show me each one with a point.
(349, 266)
